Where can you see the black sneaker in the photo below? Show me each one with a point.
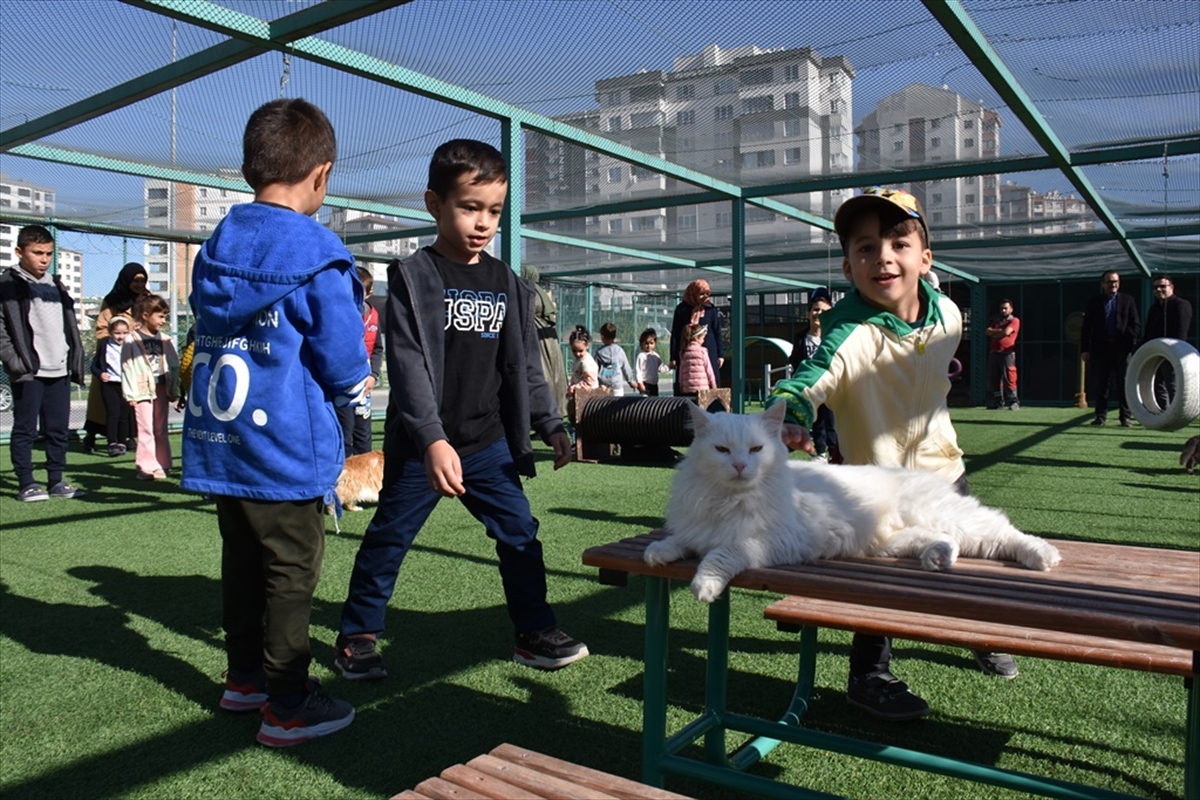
(549, 648)
(356, 659)
(32, 493)
(318, 715)
(1001, 664)
(65, 491)
(247, 691)
(885, 696)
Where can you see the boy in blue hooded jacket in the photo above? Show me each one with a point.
(278, 344)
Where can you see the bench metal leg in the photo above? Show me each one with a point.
(654, 707)
(716, 683)
(758, 748)
(1191, 746)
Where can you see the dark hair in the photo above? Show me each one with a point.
(608, 331)
(580, 334)
(366, 278)
(284, 141)
(1006, 300)
(902, 227)
(649, 333)
(1162, 276)
(1109, 271)
(149, 304)
(33, 234)
(459, 157)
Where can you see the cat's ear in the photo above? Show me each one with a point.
(774, 415)
(700, 419)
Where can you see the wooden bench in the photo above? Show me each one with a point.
(1112, 605)
(792, 613)
(514, 772)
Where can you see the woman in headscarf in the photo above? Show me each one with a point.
(696, 308)
(545, 317)
(127, 288)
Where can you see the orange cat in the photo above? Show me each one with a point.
(361, 480)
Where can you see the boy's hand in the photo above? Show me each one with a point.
(562, 449)
(370, 383)
(105, 377)
(796, 437)
(443, 469)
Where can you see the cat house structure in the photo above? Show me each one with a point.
(647, 425)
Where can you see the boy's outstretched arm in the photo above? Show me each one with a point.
(562, 449)
(796, 437)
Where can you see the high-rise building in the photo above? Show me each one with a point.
(21, 197)
(349, 222)
(183, 208)
(69, 266)
(1052, 212)
(746, 115)
(924, 125)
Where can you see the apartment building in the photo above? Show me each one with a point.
(747, 115)
(1027, 211)
(21, 197)
(921, 125)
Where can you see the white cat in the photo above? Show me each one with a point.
(740, 503)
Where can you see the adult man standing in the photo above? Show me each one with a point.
(1111, 329)
(41, 349)
(1002, 357)
(1169, 316)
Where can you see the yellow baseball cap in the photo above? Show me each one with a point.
(883, 200)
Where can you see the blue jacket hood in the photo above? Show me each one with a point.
(260, 255)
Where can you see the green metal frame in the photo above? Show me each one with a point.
(660, 753)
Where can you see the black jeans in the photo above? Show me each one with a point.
(117, 414)
(270, 564)
(873, 654)
(1108, 371)
(50, 399)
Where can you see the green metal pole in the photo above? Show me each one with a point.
(510, 217)
(654, 706)
(588, 298)
(716, 684)
(979, 346)
(737, 315)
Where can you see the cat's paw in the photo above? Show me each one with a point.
(707, 588)
(938, 556)
(350, 507)
(1044, 557)
(660, 552)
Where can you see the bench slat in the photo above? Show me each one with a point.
(486, 785)
(440, 789)
(584, 776)
(792, 612)
(540, 784)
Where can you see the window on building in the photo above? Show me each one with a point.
(614, 124)
(897, 147)
(203, 227)
(5, 202)
(969, 198)
(158, 212)
(837, 105)
(5, 190)
(49, 197)
(23, 192)
(594, 188)
(641, 174)
(836, 131)
(646, 119)
(756, 215)
(723, 112)
(968, 142)
(968, 124)
(935, 123)
(156, 193)
(203, 192)
(685, 117)
(686, 222)
(223, 210)
(898, 127)
(758, 159)
(615, 174)
(791, 100)
(791, 72)
(685, 92)
(970, 217)
(757, 105)
(724, 86)
(757, 77)
(224, 193)
(614, 98)
(157, 248)
(937, 197)
(203, 211)
(616, 225)
(793, 155)
(724, 219)
(642, 94)
(838, 160)
(793, 127)
(643, 224)
(935, 142)
(937, 216)
(970, 180)
(762, 132)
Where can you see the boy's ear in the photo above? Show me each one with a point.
(433, 204)
(846, 269)
(320, 175)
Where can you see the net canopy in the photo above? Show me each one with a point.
(650, 143)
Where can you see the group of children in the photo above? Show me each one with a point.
(278, 348)
(610, 368)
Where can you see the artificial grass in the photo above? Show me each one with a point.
(111, 659)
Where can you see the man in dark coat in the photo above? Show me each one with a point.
(1112, 328)
(1169, 316)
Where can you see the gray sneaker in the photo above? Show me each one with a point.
(32, 493)
(1000, 664)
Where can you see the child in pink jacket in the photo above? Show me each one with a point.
(695, 367)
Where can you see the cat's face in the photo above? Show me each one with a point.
(735, 450)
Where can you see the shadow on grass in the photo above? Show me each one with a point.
(1010, 451)
(643, 524)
